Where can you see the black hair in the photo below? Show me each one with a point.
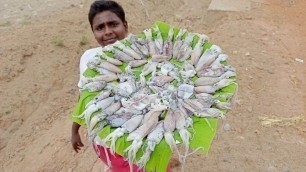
(105, 5)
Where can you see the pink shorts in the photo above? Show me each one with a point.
(117, 162)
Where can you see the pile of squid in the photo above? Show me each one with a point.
(149, 87)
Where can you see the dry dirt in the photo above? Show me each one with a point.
(40, 51)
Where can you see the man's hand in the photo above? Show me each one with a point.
(76, 142)
(75, 137)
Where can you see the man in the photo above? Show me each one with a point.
(107, 21)
(108, 24)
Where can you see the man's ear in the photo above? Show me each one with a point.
(126, 26)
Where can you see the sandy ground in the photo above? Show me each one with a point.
(40, 51)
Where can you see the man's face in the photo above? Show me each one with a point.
(108, 28)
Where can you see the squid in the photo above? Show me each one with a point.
(153, 139)
(128, 127)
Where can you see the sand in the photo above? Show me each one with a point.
(41, 44)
